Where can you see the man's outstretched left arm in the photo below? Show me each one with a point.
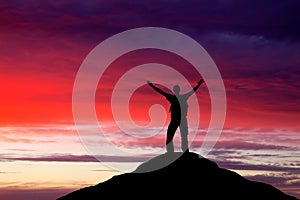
(157, 89)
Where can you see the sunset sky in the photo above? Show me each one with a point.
(254, 44)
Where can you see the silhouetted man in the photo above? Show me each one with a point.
(178, 111)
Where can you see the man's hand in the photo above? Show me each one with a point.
(149, 82)
(200, 82)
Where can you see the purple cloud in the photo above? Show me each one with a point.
(271, 19)
(74, 158)
(288, 182)
(237, 165)
(45, 194)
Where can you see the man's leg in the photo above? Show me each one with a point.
(184, 134)
(170, 134)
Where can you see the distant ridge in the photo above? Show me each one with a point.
(190, 175)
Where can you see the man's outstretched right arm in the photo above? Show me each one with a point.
(195, 88)
(157, 89)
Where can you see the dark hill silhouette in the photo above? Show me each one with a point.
(189, 176)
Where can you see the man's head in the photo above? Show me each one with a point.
(176, 89)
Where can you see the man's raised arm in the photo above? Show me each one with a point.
(194, 89)
(157, 89)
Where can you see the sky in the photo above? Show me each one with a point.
(254, 44)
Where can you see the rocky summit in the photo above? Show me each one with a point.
(179, 175)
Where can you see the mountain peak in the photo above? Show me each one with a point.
(171, 175)
(176, 161)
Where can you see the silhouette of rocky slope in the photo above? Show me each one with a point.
(188, 176)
